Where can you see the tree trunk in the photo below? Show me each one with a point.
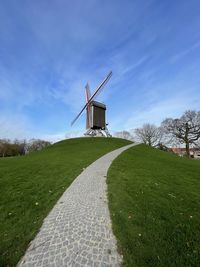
(187, 148)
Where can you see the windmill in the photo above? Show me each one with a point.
(95, 112)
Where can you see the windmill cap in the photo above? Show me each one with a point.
(97, 104)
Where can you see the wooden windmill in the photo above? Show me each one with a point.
(95, 112)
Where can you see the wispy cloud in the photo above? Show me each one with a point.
(173, 106)
(14, 126)
(185, 52)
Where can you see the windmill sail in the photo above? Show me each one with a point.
(88, 108)
(92, 97)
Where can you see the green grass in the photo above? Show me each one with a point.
(31, 185)
(154, 200)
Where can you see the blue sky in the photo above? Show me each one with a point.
(49, 50)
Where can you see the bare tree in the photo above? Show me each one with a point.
(10, 148)
(36, 145)
(186, 129)
(5, 148)
(149, 134)
(197, 144)
(124, 134)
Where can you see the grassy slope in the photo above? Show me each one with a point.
(154, 202)
(40, 177)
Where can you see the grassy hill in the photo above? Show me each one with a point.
(154, 200)
(31, 185)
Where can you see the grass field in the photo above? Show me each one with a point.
(154, 199)
(31, 185)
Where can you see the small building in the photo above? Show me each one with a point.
(180, 151)
(195, 153)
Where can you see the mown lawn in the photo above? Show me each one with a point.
(154, 199)
(31, 185)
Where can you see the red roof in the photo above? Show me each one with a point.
(181, 150)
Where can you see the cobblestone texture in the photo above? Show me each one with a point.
(77, 232)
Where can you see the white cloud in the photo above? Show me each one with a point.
(183, 53)
(173, 106)
(14, 126)
(51, 137)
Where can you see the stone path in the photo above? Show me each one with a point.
(77, 232)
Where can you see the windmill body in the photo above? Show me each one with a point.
(95, 112)
(98, 115)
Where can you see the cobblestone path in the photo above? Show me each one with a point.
(77, 232)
